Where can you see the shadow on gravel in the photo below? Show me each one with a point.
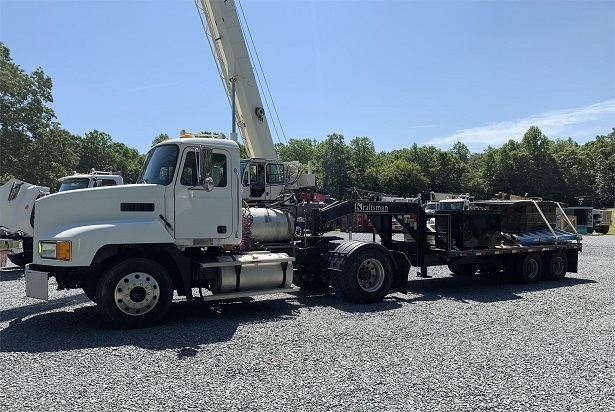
(186, 327)
(44, 327)
(480, 288)
(40, 306)
(12, 273)
(329, 299)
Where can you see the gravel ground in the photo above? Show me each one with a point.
(452, 344)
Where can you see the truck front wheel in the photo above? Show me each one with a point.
(134, 293)
(367, 277)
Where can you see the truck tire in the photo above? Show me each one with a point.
(529, 268)
(603, 229)
(134, 293)
(555, 265)
(19, 259)
(367, 276)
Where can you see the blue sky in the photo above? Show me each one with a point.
(398, 72)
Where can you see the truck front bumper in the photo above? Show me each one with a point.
(14, 246)
(37, 283)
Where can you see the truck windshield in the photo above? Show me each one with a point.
(72, 184)
(160, 165)
(451, 205)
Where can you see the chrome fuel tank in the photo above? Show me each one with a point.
(271, 225)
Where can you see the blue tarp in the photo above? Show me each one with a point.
(543, 236)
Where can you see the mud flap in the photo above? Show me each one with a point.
(402, 271)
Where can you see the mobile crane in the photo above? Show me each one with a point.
(185, 228)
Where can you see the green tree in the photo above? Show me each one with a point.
(24, 114)
(362, 157)
(126, 160)
(473, 179)
(602, 153)
(574, 168)
(95, 152)
(334, 158)
(540, 177)
(160, 138)
(403, 178)
(301, 150)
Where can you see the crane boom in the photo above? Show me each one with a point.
(263, 177)
(227, 40)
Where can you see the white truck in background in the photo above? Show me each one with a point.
(460, 203)
(602, 220)
(17, 209)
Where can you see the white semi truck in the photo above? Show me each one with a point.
(192, 225)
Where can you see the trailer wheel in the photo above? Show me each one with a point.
(366, 278)
(134, 293)
(529, 268)
(556, 266)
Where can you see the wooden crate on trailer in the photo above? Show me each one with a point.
(522, 215)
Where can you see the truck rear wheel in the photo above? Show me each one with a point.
(556, 265)
(134, 293)
(367, 277)
(529, 268)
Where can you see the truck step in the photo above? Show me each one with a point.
(245, 294)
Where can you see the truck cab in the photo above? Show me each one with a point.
(93, 179)
(453, 204)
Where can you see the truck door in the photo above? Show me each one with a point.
(202, 215)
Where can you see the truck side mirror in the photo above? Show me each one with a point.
(205, 167)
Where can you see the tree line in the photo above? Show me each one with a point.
(35, 148)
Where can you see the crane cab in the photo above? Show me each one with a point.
(261, 179)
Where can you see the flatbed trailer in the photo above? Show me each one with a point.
(551, 255)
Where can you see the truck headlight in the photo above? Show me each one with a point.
(59, 250)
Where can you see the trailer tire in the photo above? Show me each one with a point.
(556, 266)
(367, 276)
(529, 268)
(134, 293)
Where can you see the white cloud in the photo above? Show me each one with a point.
(556, 124)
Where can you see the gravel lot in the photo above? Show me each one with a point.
(452, 344)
